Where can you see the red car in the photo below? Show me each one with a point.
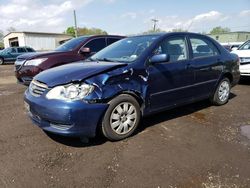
(29, 65)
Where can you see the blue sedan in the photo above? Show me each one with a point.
(132, 78)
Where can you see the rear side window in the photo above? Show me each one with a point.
(112, 40)
(203, 48)
(20, 50)
(174, 47)
(30, 50)
(96, 45)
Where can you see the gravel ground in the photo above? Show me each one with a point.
(198, 145)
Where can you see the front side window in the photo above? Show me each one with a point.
(175, 48)
(10, 50)
(245, 46)
(96, 45)
(126, 50)
(203, 48)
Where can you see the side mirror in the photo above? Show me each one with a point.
(85, 50)
(160, 58)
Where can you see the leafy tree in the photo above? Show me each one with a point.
(70, 31)
(219, 30)
(85, 31)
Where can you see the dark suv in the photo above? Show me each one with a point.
(76, 49)
(8, 55)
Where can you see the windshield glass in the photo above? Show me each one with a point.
(126, 50)
(245, 46)
(71, 44)
(8, 50)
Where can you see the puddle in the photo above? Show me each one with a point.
(245, 131)
(199, 116)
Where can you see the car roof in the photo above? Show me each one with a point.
(162, 34)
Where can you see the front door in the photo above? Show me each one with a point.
(170, 83)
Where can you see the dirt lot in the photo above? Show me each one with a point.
(193, 146)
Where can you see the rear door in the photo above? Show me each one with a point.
(206, 64)
(170, 83)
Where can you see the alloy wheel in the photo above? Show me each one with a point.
(123, 118)
(224, 91)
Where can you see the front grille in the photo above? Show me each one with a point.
(37, 88)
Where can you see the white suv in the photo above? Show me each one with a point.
(244, 54)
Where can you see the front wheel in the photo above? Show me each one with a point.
(221, 95)
(121, 118)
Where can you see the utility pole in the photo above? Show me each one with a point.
(75, 24)
(155, 22)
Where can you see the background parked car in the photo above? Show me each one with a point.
(9, 55)
(29, 65)
(133, 77)
(244, 54)
(232, 46)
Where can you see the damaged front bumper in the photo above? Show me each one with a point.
(67, 118)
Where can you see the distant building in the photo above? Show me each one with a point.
(232, 37)
(37, 40)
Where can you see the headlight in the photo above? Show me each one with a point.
(70, 92)
(35, 62)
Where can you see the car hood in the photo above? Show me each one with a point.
(33, 55)
(242, 53)
(75, 72)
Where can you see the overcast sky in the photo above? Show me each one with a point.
(124, 16)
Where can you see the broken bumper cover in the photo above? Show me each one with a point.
(75, 118)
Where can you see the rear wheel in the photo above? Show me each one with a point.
(1, 61)
(221, 95)
(121, 118)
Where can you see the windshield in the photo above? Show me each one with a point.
(126, 50)
(245, 46)
(71, 44)
(8, 50)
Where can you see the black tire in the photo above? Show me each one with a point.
(124, 99)
(215, 98)
(1, 61)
